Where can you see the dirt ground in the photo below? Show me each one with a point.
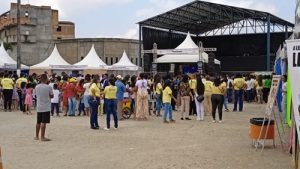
(137, 145)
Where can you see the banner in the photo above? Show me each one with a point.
(273, 94)
(293, 51)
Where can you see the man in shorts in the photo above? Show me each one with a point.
(44, 94)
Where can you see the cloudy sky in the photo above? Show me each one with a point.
(118, 18)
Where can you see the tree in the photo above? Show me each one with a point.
(7, 46)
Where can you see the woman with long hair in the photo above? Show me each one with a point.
(157, 90)
(185, 95)
(199, 103)
(217, 98)
(142, 108)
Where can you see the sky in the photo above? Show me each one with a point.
(118, 18)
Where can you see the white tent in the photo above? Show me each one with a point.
(183, 57)
(92, 60)
(54, 61)
(6, 61)
(124, 64)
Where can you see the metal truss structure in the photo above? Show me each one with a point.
(209, 19)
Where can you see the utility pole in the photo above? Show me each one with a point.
(18, 38)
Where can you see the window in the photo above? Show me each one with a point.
(58, 37)
(136, 61)
(58, 29)
(131, 59)
(106, 60)
(111, 60)
(117, 59)
(82, 57)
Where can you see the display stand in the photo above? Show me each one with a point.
(260, 142)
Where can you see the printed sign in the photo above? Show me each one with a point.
(273, 94)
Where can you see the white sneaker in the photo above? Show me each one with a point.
(198, 119)
(220, 121)
(115, 128)
(107, 129)
(214, 121)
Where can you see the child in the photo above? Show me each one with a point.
(55, 100)
(167, 99)
(15, 98)
(28, 98)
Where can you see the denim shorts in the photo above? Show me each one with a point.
(86, 101)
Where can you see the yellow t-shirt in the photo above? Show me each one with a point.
(7, 83)
(193, 84)
(110, 92)
(95, 90)
(20, 80)
(220, 89)
(167, 92)
(158, 88)
(238, 83)
(208, 86)
(257, 86)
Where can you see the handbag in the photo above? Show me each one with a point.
(200, 98)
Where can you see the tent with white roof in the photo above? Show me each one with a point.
(184, 56)
(6, 62)
(92, 60)
(92, 64)
(55, 59)
(124, 64)
(124, 67)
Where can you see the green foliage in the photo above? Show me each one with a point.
(7, 46)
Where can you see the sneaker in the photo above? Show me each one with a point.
(187, 118)
(172, 121)
(165, 121)
(116, 128)
(214, 121)
(227, 110)
(181, 118)
(198, 119)
(220, 121)
(107, 129)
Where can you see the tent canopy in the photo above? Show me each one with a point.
(188, 43)
(124, 63)
(6, 61)
(55, 59)
(92, 60)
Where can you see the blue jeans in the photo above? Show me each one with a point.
(283, 104)
(158, 105)
(229, 95)
(132, 105)
(111, 108)
(81, 107)
(226, 103)
(54, 106)
(94, 111)
(168, 111)
(71, 106)
(238, 97)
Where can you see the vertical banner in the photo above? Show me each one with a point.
(273, 93)
(293, 51)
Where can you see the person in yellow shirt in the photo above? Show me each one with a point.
(259, 89)
(7, 87)
(167, 99)
(217, 98)
(238, 84)
(94, 101)
(20, 80)
(157, 89)
(110, 93)
(208, 84)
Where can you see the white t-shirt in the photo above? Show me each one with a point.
(228, 82)
(86, 87)
(252, 83)
(55, 98)
(51, 84)
(141, 84)
(284, 89)
(248, 82)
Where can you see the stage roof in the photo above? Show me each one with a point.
(199, 17)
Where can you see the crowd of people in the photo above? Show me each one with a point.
(93, 95)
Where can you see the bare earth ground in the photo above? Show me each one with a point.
(137, 145)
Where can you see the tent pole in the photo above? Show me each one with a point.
(140, 46)
(268, 44)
